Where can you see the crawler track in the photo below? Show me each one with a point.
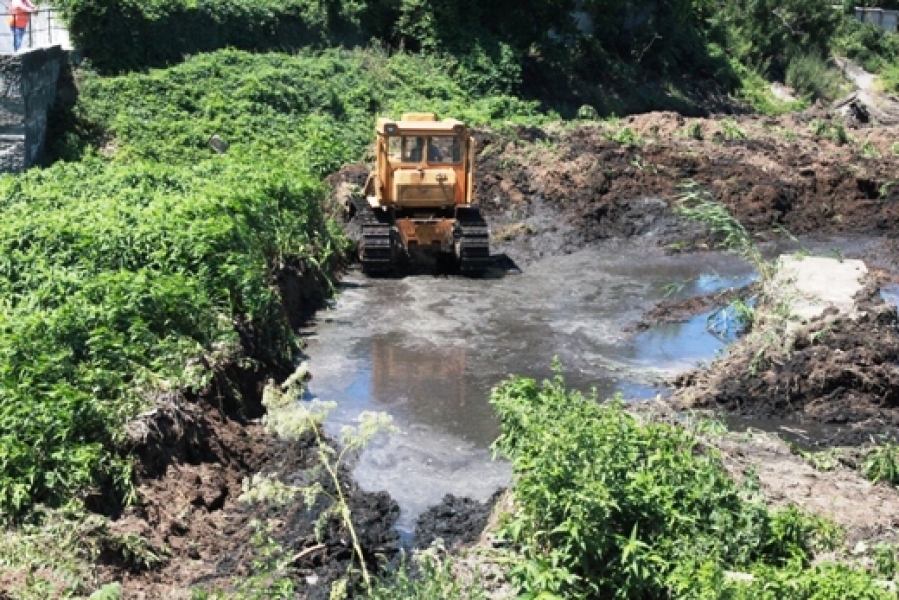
(473, 241)
(376, 246)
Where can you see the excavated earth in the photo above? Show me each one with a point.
(548, 192)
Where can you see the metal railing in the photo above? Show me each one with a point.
(45, 28)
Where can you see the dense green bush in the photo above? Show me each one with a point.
(767, 34)
(609, 507)
(112, 278)
(867, 44)
(120, 35)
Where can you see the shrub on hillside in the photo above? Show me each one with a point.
(866, 43)
(124, 35)
(812, 77)
(771, 33)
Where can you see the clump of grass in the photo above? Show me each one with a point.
(835, 132)
(882, 464)
(626, 136)
(694, 131)
(587, 113)
(811, 76)
(869, 150)
(731, 131)
(699, 205)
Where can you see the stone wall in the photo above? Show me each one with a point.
(27, 89)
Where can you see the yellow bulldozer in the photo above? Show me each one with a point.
(418, 200)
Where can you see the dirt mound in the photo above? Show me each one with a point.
(557, 190)
(456, 521)
(839, 371)
(189, 513)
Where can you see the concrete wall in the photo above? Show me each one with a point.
(27, 89)
(878, 16)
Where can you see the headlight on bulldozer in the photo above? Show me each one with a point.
(390, 127)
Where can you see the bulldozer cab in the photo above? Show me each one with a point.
(422, 163)
(418, 200)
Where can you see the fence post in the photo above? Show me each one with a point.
(50, 26)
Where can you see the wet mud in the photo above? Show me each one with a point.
(455, 521)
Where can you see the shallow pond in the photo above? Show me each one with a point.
(428, 350)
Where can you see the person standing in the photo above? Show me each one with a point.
(18, 19)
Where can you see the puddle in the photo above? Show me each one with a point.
(890, 293)
(428, 350)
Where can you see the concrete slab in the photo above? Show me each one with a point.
(811, 284)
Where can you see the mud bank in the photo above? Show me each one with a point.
(837, 371)
(555, 190)
(193, 453)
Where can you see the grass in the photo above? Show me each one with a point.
(429, 576)
(882, 464)
(813, 78)
(834, 132)
(698, 205)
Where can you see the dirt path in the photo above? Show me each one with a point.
(868, 101)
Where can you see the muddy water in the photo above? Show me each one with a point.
(428, 349)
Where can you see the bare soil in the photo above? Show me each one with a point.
(192, 454)
(557, 190)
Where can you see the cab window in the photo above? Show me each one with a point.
(444, 149)
(441, 149)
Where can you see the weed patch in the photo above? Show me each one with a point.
(609, 507)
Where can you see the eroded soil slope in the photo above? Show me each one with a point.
(558, 189)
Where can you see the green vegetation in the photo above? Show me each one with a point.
(639, 48)
(607, 506)
(59, 554)
(813, 78)
(113, 277)
(882, 464)
(146, 248)
(699, 205)
(429, 577)
(833, 131)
